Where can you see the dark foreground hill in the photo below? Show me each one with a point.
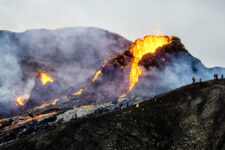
(191, 117)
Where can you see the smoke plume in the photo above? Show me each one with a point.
(69, 55)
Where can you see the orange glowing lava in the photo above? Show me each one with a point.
(93, 80)
(85, 106)
(28, 120)
(19, 101)
(45, 105)
(96, 75)
(141, 47)
(45, 78)
(35, 117)
(4, 119)
(79, 92)
(40, 107)
(54, 101)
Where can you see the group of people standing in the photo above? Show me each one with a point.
(216, 77)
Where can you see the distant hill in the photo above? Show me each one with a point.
(82, 48)
(190, 117)
(69, 55)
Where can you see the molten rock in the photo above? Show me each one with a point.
(45, 90)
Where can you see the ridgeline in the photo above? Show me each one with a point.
(190, 117)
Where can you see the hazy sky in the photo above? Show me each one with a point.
(199, 23)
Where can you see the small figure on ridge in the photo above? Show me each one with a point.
(215, 76)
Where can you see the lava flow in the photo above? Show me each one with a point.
(45, 105)
(139, 48)
(79, 92)
(96, 75)
(86, 106)
(45, 78)
(19, 101)
(54, 101)
(36, 117)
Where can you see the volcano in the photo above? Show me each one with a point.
(148, 67)
(80, 72)
(160, 69)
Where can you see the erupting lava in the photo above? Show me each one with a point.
(19, 101)
(139, 48)
(45, 78)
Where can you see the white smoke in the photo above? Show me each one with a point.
(176, 74)
(10, 72)
(69, 55)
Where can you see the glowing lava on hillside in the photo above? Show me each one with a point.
(139, 48)
(93, 80)
(45, 78)
(96, 75)
(78, 92)
(19, 101)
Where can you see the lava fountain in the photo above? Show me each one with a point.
(139, 48)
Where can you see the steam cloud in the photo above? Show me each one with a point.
(70, 55)
(10, 73)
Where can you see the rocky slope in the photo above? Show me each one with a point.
(190, 117)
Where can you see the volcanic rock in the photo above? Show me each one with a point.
(190, 117)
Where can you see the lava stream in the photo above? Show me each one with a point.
(35, 117)
(96, 75)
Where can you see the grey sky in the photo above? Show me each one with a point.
(200, 24)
